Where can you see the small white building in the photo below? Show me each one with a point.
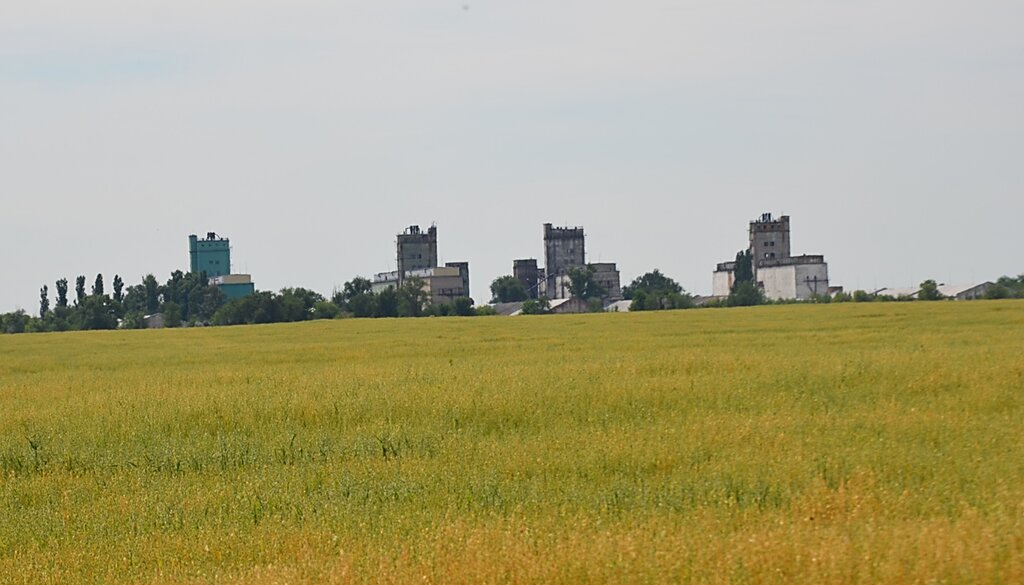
(796, 277)
(723, 279)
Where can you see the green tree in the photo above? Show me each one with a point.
(325, 310)
(582, 284)
(263, 307)
(508, 289)
(463, 307)
(439, 310)
(204, 301)
(118, 288)
(173, 290)
(152, 294)
(653, 281)
(413, 298)
(133, 320)
(62, 292)
(15, 322)
(95, 312)
(999, 291)
(97, 287)
(357, 286)
(745, 294)
(297, 303)
(860, 296)
(60, 318)
(744, 268)
(540, 306)
(1006, 287)
(79, 290)
(44, 302)
(387, 303)
(363, 305)
(172, 314)
(655, 291)
(639, 300)
(134, 299)
(929, 291)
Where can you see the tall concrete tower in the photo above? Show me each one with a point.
(563, 249)
(212, 255)
(525, 270)
(416, 250)
(769, 240)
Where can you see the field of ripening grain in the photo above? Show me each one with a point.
(853, 443)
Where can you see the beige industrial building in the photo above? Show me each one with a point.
(444, 284)
(417, 258)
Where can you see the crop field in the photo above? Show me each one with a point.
(853, 443)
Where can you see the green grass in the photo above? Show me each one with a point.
(831, 443)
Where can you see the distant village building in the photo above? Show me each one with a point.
(623, 306)
(555, 307)
(958, 292)
(212, 256)
(154, 321)
(417, 258)
(778, 273)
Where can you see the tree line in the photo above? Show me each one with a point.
(188, 299)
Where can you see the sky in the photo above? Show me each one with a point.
(312, 132)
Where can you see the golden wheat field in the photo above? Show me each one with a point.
(854, 443)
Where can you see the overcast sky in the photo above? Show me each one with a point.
(310, 133)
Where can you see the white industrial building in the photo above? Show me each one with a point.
(776, 272)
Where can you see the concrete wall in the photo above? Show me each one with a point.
(607, 275)
(794, 281)
(778, 282)
(811, 280)
(721, 282)
(445, 289)
(558, 287)
(463, 268)
(570, 306)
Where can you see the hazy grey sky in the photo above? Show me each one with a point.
(310, 133)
